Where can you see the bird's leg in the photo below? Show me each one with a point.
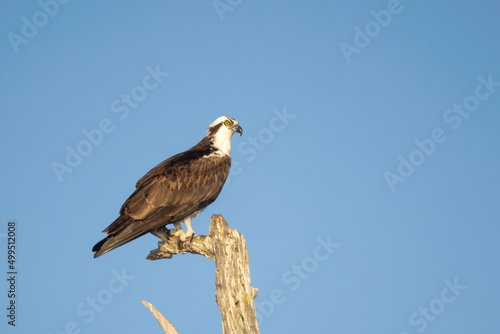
(178, 231)
(189, 231)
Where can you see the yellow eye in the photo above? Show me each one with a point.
(227, 123)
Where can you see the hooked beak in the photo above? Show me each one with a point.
(238, 129)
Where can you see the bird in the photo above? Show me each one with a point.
(176, 190)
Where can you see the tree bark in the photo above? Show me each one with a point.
(227, 247)
(167, 327)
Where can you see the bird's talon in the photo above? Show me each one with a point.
(187, 235)
(174, 233)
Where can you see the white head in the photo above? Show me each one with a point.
(221, 131)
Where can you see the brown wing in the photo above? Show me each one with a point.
(170, 192)
(190, 186)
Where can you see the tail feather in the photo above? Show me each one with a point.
(120, 234)
(113, 241)
(97, 247)
(118, 225)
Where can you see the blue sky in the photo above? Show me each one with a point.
(366, 181)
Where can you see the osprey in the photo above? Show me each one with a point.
(176, 190)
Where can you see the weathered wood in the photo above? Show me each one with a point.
(171, 245)
(167, 327)
(227, 247)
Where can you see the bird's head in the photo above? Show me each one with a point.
(221, 131)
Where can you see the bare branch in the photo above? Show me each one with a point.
(198, 244)
(167, 327)
(227, 247)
